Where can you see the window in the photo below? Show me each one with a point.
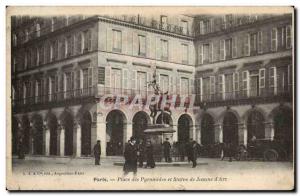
(288, 37)
(206, 86)
(200, 54)
(205, 53)
(101, 75)
(212, 87)
(236, 84)
(41, 55)
(164, 49)
(38, 30)
(245, 79)
(79, 44)
(87, 42)
(70, 46)
(262, 79)
(253, 43)
(37, 60)
(273, 80)
(211, 52)
(221, 86)
(260, 42)
(228, 48)
(247, 45)
(204, 26)
(222, 49)
(163, 20)
(52, 24)
(51, 51)
(229, 85)
(234, 47)
(184, 53)
(274, 39)
(142, 45)
(184, 25)
(117, 41)
(184, 86)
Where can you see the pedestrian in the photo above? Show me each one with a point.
(194, 153)
(140, 152)
(182, 150)
(97, 152)
(149, 155)
(130, 155)
(188, 149)
(21, 152)
(167, 147)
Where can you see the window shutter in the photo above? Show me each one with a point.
(246, 88)
(125, 78)
(262, 77)
(274, 39)
(89, 40)
(234, 47)
(201, 88)
(90, 76)
(211, 52)
(273, 79)
(201, 54)
(134, 79)
(288, 41)
(107, 76)
(236, 83)
(135, 44)
(221, 82)
(191, 85)
(222, 49)
(260, 42)
(212, 86)
(109, 39)
(201, 27)
(247, 45)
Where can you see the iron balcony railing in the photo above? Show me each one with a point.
(246, 96)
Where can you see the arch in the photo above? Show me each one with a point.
(14, 135)
(86, 129)
(255, 123)
(53, 126)
(283, 127)
(140, 121)
(207, 129)
(185, 128)
(115, 132)
(230, 128)
(166, 118)
(222, 115)
(25, 133)
(67, 121)
(37, 134)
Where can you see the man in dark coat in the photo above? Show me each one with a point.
(194, 153)
(130, 155)
(97, 152)
(189, 149)
(167, 147)
(141, 152)
(149, 155)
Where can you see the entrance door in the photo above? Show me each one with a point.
(230, 129)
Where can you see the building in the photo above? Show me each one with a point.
(240, 68)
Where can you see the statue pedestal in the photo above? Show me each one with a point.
(157, 134)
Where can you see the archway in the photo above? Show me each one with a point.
(115, 127)
(207, 130)
(37, 134)
(230, 129)
(167, 119)
(26, 133)
(255, 125)
(140, 122)
(86, 124)
(68, 124)
(53, 125)
(283, 128)
(14, 134)
(184, 128)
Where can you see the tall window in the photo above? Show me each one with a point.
(222, 49)
(163, 20)
(184, 86)
(184, 53)
(260, 42)
(274, 39)
(38, 30)
(70, 46)
(247, 45)
(229, 86)
(87, 42)
(184, 25)
(164, 49)
(205, 53)
(234, 47)
(79, 43)
(253, 44)
(117, 41)
(206, 89)
(288, 36)
(204, 27)
(142, 45)
(228, 48)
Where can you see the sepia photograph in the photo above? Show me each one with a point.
(150, 98)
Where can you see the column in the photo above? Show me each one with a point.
(77, 139)
(243, 136)
(218, 133)
(61, 135)
(175, 134)
(101, 133)
(269, 130)
(31, 139)
(46, 138)
(128, 131)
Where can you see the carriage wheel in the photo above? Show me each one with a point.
(270, 155)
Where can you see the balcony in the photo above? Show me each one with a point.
(244, 97)
(80, 96)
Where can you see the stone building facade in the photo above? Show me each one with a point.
(239, 67)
